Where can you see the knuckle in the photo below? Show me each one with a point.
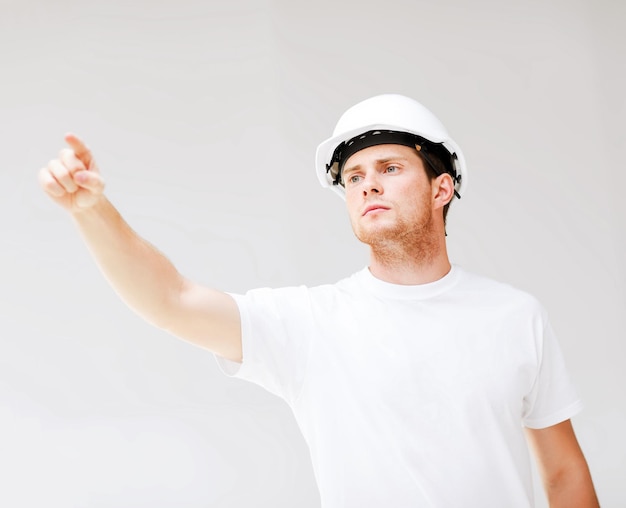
(53, 188)
(65, 152)
(56, 167)
(68, 159)
(44, 177)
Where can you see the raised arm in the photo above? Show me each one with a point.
(562, 466)
(143, 277)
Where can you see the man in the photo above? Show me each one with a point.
(415, 383)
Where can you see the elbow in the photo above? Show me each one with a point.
(165, 311)
(572, 487)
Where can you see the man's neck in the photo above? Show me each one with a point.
(410, 266)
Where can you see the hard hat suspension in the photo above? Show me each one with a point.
(387, 137)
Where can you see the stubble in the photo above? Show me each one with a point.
(405, 241)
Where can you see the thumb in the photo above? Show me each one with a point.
(80, 150)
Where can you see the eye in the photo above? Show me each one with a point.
(391, 169)
(353, 179)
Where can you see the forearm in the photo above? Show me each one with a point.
(143, 277)
(562, 465)
(572, 489)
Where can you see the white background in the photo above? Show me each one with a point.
(204, 117)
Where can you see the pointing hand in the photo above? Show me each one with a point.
(73, 180)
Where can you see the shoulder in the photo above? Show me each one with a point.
(489, 291)
(298, 295)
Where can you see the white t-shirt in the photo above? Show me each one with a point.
(410, 396)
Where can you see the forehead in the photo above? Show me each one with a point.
(380, 153)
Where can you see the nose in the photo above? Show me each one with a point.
(372, 184)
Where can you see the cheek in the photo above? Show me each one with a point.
(350, 208)
(351, 201)
(416, 198)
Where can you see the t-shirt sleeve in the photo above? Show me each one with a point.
(276, 339)
(553, 398)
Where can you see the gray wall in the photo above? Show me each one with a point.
(204, 117)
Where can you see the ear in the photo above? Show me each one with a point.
(443, 190)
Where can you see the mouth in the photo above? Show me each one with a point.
(372, 209)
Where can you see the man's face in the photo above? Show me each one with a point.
(388, 195)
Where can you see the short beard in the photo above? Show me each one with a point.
(412, 242)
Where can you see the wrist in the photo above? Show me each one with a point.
(99, 208)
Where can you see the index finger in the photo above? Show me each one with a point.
(80, 149)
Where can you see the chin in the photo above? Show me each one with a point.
(374, 234)
(401, 233)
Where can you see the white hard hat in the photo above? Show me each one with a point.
(386, 114)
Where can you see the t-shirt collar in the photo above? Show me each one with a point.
(408, 292)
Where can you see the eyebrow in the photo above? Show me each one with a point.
(384, 160)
